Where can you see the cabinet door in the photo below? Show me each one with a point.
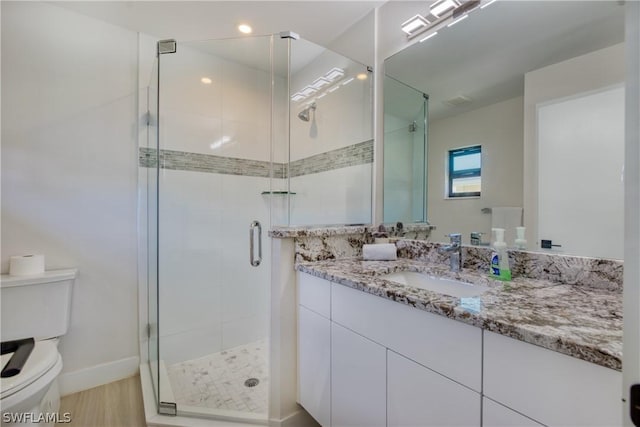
(496, 415)
(358, 380)
(550, 387)
(418, 397)
(314, 364)
(315, 294)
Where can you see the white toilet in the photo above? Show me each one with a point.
(38, 307)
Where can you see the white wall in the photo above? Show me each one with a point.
(342, 118)
(69, 155)
(589, 72)
(498, 129)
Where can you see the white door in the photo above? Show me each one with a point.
(580, 188)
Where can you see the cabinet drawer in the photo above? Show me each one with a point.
(417, 396)
(315, 294)
(444, 345)
(496, 415)
(551, 388)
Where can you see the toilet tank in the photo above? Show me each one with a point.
(37, 306)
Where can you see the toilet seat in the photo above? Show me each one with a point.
(43, 358)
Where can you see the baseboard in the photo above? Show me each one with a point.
(94, 376)
(299, 418)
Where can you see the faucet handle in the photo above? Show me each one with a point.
(454, 237)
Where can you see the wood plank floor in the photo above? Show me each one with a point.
(118, 404)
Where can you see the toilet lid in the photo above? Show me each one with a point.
(43, 357)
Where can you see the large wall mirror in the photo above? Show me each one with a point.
(513, 116)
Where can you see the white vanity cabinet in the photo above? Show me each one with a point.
(417, 396)
(358, 380)
(366, 361)
(314, 347)
(497, 415)
(552, 388)
(390, 364)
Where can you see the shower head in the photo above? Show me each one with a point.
(305, 114)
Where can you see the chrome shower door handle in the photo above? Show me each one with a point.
(252, 260)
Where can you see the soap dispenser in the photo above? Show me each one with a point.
(499, 257)
(520, 242)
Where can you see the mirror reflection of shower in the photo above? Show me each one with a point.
(305, 116)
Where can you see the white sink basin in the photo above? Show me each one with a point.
(441, 285)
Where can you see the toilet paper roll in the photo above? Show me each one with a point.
(26, 265)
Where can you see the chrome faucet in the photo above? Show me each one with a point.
(454, 249)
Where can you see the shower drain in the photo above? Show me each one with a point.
(251, 382)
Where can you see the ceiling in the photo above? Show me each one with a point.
(318, 21)
(486, 56)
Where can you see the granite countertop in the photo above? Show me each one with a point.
(580, 321)
(336, 230)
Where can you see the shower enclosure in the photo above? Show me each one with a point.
(405, 152)
(242, 134)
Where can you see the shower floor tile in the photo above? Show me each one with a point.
(217, 380)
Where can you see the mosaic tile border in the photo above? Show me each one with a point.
(352, 155)
(209, 163)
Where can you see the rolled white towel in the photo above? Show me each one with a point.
(379, 252)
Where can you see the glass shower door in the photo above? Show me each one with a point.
(215, 135)
(405, 152)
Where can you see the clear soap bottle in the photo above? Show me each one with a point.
(499, 258)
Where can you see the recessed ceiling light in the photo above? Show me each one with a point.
(362, 76)
(206, 80)
(245, 28)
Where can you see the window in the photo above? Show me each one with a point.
(465, 165)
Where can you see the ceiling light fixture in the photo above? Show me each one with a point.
(329, 79)
(206, 80)
(441, 7)
(414, 25)
(334, 74)
(346, 82)
(320, 82)
(466, 7)
(429, 36)
(308, 90)
(297, 97)
(362, 76)
(245, 28)
(462, 18)
(489, 3)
